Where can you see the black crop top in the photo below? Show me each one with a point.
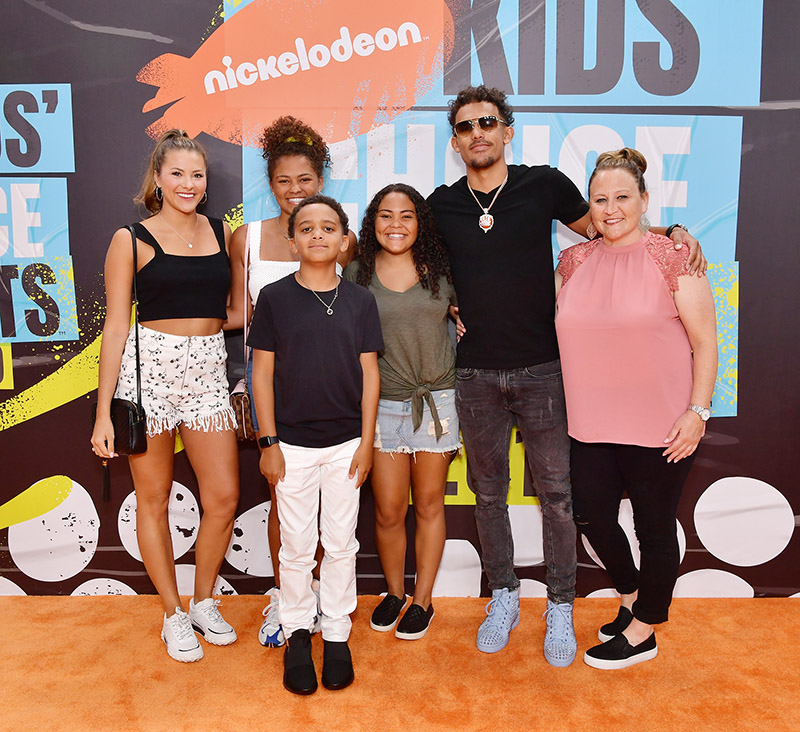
(176, 286)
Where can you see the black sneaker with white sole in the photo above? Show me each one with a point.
(385, 616)
(415, 622)
(618, 653)
(616, 626)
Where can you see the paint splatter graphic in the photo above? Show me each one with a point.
(41, 497)
(226, 87)
(724, 281)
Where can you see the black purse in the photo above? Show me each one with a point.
(127, 417)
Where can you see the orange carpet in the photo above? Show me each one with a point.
(96, 663)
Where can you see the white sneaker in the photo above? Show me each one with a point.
(271, 633)
(317, 626)
(177, 634)
(207, 620)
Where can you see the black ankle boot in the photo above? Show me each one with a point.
(299, 675)
(337, 667)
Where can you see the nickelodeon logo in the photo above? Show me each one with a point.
(366, 78)
(302, 59)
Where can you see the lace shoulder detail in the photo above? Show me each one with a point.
(670, 261)
(570, 259)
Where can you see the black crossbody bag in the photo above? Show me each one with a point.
(127, 417)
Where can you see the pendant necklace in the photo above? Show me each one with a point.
(328, 308)
(486, 221)
(194, 231)
(280, 228)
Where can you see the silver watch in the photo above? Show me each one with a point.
(703, 412)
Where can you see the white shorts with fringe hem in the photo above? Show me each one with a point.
(184, 381)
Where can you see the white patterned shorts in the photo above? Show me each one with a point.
(184, 380)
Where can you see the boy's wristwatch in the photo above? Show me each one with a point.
(268, 441)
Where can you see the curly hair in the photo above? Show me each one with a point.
(327, 201)
(473, 94)
(291, 136)
(628, 159)
(428, 252)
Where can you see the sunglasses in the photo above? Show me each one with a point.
(488, 122)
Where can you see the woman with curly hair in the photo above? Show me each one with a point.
(401, 260)
(296, 158)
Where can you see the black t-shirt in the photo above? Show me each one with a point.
(318, 378)
(504, 277)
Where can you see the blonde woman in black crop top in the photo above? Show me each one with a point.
(183, 280)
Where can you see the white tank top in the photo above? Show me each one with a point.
(264, 272)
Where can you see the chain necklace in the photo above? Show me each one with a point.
(486, 221)
(328, 308)
(194, 231)
(280, 228)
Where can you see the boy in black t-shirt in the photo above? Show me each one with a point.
(315, 386)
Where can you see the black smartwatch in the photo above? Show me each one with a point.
(268, 441)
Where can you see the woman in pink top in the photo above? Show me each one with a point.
(638, 346)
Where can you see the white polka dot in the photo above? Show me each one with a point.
(60, 543)
(743, 521)
(526, 528)
(711, 583)
(184, 573)
(9, 588)
(459, 571)
(184, 520)
(532, 588)
(605, 592)
(103, 586)
(248, 550)
(626, 522)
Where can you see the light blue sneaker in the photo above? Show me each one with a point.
(502, 616)
(560, 645)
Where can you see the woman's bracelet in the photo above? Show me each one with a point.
(672, 227)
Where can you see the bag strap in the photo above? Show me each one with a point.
(246, 292)
(136, 321)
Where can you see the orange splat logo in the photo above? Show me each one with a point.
(343, 66)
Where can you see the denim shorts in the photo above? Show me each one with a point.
(394, 431)
(183, 380)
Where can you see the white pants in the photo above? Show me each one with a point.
(311, 473)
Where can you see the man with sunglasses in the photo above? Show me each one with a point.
(497, 225)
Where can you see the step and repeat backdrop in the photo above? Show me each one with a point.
(707, 90)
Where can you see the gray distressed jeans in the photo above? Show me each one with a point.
(489, 403)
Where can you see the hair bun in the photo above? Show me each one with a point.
(634, 156)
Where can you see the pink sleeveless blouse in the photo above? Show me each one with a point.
(625, 355)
